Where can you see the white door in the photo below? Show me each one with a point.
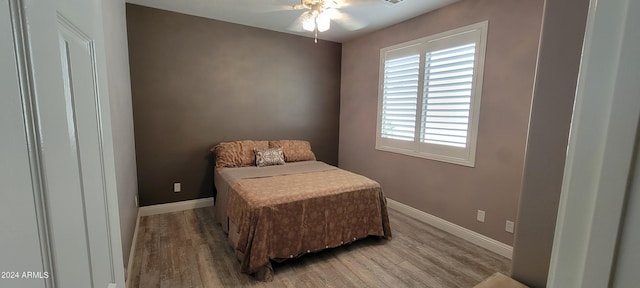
(20, 249)
(62, 54)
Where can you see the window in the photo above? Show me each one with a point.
(429, 95)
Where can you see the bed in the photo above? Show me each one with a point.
(282, 211)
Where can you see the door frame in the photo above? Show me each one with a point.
(601, 148)
(26, 84)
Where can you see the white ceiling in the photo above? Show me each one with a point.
(278, 15)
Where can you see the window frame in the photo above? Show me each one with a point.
(448, 39)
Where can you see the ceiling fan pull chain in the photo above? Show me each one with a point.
(316, 29)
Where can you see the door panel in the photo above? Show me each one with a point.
(82, 102)
(68, 77)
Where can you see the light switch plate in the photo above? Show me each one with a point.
(177, 187)
(480, 216)
(509, 226)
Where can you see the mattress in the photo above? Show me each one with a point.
(284, 211)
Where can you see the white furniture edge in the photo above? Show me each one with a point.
(175, 206)
(464, 233)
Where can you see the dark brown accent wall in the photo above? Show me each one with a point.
(450, 191)
(197, 82)
(556, 77)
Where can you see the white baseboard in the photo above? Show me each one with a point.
(176, 206)
(464, 233)
(132, 253)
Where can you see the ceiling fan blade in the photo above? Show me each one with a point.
(272, 8)
(331, 4)
(352, 3)
(268, 6)
(297, 7)
(346, 21)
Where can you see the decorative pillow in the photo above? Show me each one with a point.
(237, 153)
(269, 157)
(294, 150)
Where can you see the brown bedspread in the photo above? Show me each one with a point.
(284, 216)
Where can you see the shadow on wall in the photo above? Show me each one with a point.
(207, 187)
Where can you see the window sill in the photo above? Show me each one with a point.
(430, 156)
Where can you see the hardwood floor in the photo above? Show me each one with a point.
(187, 249)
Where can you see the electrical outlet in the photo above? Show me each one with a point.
(509, 226)
(177, 187)
(480, 216)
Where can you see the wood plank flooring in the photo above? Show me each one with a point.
(187, 249)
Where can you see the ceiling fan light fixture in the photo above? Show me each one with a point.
(308, 21)
(323, 21)
(318, 17)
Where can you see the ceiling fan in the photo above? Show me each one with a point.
(319, 15)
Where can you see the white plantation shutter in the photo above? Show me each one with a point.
(400, 97)
(429, 97)
(447, 96)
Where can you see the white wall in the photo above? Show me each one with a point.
(117, 54)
